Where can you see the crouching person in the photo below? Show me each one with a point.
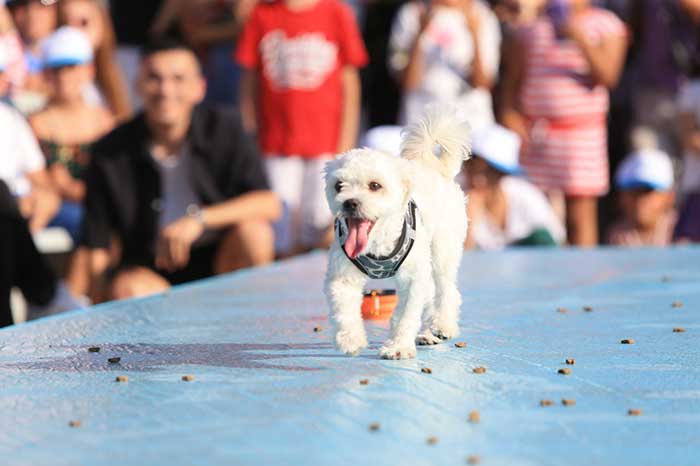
(180, 187)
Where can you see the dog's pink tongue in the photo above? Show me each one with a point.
(357, 236)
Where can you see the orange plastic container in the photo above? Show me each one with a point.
(379, 304)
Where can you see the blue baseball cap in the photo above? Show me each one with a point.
(67, 46)
(645, 169)
(499, 147)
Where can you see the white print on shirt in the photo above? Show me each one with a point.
(299, 63)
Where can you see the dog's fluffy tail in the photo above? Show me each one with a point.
(438, 140)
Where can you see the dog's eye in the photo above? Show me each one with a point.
(374, 186)
(338, 186)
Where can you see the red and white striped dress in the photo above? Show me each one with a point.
(566, 112)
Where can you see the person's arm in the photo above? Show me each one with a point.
(248, 100)
(478, 77)
(692, 8)
(605, 59)
(510, 115)
(167, 15)
(413, 74)
(350, 118)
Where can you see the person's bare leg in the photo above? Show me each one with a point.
(247, 244)
(582, 220)
(135, 282)
(78, 277)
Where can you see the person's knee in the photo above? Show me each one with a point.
(136, 282)
(248, 244)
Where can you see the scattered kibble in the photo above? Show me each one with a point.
(474, 417)
(432, 440)
(571, 361)
(568, 402)
(187, 378)
(122, 378)
(678, 330)
(75, 423)
(634, 412)
(318, 329)
(564, 371)
(479, 370)
(562, 310)
(364, 382)
(374, 426)
(627, 341)
(426, 370)
(588, 308)
(473, 459)
(677, 304)
(460, 344)
(114, 360)
(94, 349)
(546, 402)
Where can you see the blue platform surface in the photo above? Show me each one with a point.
(268, 390)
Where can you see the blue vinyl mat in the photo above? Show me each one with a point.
(268, 390)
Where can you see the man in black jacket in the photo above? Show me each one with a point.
(181, 187)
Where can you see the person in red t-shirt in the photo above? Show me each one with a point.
(301, 92)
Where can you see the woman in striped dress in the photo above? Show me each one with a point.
(555, 95)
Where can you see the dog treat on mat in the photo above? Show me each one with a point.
(587, 308)
(94, 349)
(546, 402)
(114, 360)
(627, 341)
(634, 412)
(564, 371)
(460, 344)
(426, 370)
(473, 459)
(677, 304)
(374, 426)
(187, 378)
(571, 361)
(432, 440)
(74, 423)
(474, 417)
(678, 330)
(364, 382)
(122, 378)
(318, 329)
(562, 310)
(568, 402)
(479, 370)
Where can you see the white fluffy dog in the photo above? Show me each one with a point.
(404, 217)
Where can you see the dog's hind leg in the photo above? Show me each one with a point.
(447, 256)
(425, 335)
(406, 321)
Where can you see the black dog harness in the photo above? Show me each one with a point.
(387, 266)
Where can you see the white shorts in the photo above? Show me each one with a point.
(300, 185)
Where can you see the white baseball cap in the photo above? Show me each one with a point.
(384, 138)
(647, 168)
(499, 147)
(67, 46)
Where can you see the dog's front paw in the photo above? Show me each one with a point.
(350, 342)
(445, 330)
(427, 338)
(395, 351)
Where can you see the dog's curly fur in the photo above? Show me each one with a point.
(432, 153)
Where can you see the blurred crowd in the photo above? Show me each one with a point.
(172, 140)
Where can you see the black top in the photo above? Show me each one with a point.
(123, 181)
(133, 19)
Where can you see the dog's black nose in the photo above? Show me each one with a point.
(351, 205)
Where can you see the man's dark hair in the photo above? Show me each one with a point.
(164, 44)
